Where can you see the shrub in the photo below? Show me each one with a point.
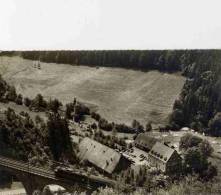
(19, 99)
(95, 116)
(11, 95)
(54, 105)
(27, 101)
(188, 140)
(38, 103)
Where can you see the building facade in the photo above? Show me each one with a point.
(102, 157)
(164, 158)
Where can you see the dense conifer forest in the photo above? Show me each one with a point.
(165, 60)
(199, 105)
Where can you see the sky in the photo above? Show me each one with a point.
(110, 24)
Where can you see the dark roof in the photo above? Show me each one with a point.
(161, 152)
(145, 140)
(99, 155)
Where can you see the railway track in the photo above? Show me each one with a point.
(42, 172)
(25, 167)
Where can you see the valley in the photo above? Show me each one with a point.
(119, 95)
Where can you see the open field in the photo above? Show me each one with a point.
(119, 95)
(20, 108)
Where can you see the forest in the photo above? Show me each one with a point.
(199, 104)
(164, 60)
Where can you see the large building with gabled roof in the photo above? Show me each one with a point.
(104, 158)
(145, 142)
(164, 158)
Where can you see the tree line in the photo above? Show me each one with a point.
(163, 60)
(199, 104)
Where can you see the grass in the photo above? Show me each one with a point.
(3, 67)
(119, 95)
(19, 108)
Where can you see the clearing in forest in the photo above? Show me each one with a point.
(119, 95)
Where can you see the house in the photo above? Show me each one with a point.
(145, 142)
(102, 157)
(164, 158)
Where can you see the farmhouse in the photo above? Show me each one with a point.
(101, 156)
(145, 142)
(164, 158)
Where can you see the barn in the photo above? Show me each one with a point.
(102, 157)
(164, 158)
(145, 142)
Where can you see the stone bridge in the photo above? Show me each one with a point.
(35, 178)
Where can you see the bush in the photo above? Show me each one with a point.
(19, 99)
(215, 124)
(94, 126)
(54, 105)
(124, 128)
(3, 88)
(38, 103)
(80, 110)
(196, 156)
(192, 185)
(69, 110)
(27, 102)
(103, 124)
(95, 116)
(11, 95)
(188, 140)
(206, 148)
(195, 161)
(177, 118)
(136, 125)
(148, 126)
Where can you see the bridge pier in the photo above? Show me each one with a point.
(33, 183)
(30, 183)
(35, 178)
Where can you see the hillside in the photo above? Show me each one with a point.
(119, 95)
(199, 105)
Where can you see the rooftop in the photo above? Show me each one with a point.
(146, 140)
(99, 154)
(161, 151)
